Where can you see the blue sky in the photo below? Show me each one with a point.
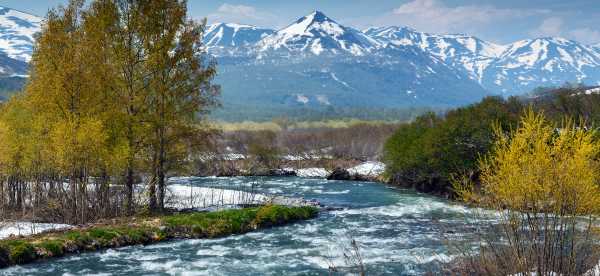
(498, 21)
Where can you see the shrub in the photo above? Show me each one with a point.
(544, 184)
(427, 153)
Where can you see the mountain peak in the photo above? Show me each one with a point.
(318, 33)
(318, 16)
(307, 22)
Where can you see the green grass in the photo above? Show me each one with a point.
(146, 231)
(215, 224)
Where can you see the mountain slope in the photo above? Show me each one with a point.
(316, 33)
(233, 35)
(16, 33)
(511, 69)
(16, 41)
(466, 53)
(531, 63)
(316, 62)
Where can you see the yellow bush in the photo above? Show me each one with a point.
(544, 169)
(544, 184)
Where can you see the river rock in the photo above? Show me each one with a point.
(282, 172)
(339, 174)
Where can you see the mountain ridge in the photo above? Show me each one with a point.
(315, 62)
(490, 64)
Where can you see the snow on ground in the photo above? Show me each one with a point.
(594, 271)
(181, 196)
(313, 172)
(27, 228)
(593, 91)
(370, 169)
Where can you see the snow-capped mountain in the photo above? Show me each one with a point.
(398, 66)
(549, 61)
(316, 33)
(466, 53)
(315, 61)
(16, 33)
(16, 40)
(505, 69)
(234, 35)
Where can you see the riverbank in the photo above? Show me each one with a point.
(331, 169)
(400, 233)
(147, 230)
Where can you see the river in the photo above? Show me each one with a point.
(399, 232)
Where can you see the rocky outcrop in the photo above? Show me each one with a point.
(339, 174)
(367, 171)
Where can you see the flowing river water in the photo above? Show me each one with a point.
(399, 232)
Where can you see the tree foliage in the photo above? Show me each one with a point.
(427, 152)
(119, 90)
(543, 181)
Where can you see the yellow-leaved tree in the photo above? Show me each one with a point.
(544, 183)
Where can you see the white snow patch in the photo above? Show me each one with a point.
(335, 78)
(302, 99)
(22, 228)
(181, 196)
(370, 169)
(313, 172)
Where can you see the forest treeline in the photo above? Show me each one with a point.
(117, 95)
(430, 152)
(263, 148)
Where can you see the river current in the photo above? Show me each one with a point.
(398, 232)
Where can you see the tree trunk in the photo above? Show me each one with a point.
(161, 176)
(129, 190)
(152, 186)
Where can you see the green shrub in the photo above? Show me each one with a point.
(428, 152)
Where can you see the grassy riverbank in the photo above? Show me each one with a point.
(147, 230)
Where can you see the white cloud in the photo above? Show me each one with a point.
(586, 35)
(551, 26)
(436, 16)
(241, 14)
(238, 10)
(555, 26)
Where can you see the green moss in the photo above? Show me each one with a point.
(77, 236)
(276, 215)
(54, 247)
(20, 251)
(103, 233)
(136, 235)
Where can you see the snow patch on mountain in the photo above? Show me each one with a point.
(16, 33)
(234, 35)
(466, 53)
(316, 33)
(334, 77)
